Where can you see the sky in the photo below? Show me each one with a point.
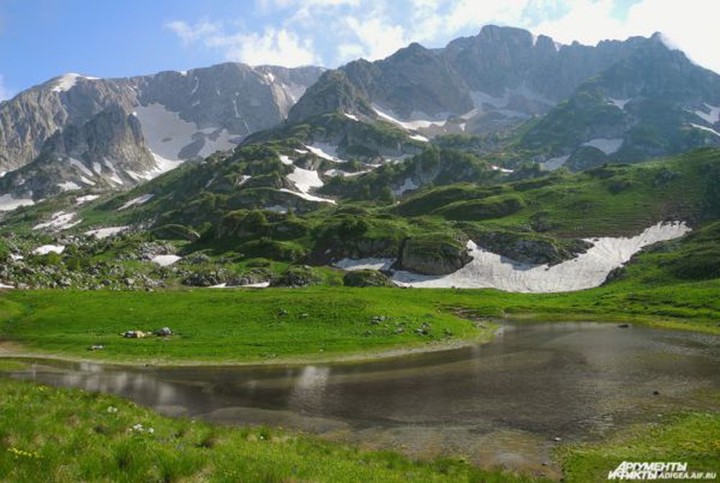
(41, 39)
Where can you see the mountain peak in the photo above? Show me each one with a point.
(67, 81)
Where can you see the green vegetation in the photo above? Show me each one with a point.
(321, 322)
(692, 438)
(49, 434)
(229, 326)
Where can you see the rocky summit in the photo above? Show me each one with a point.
(501, 160)
(80, 131)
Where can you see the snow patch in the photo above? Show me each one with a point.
(590, 269)
(410, 125)
(58, 221)
(345, 174)
(502, 170)
(286, 160)
(66, 82)
(136, 201)
(106, 232)
(325, 151)
(86, 181)
(79, 165)
(350, 116)
(619, 103)
(167, 134)
(255, 285)
(703, 128)
(554, 163)
(243, 179)
(45, 249)
(165, 260)
(351, 264)
(9, 203)
(69, 186)
(305, 179)
(419, 137)
(308, 197)
(712, 117)
(85, 199)
(113, 172)
(607, 146)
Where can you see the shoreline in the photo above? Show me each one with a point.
(10, 349)
(337, 358)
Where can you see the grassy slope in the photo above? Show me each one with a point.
(228, 326)
(321, 322)
(606, 201)
(692, 438)
(59, 435)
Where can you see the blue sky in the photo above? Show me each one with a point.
(40, 39)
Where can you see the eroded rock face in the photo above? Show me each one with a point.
(432, 255)
(533, 251)
(177, 115)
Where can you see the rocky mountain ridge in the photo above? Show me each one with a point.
(177, 116)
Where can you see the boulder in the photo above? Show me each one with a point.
(432, 255)
(367, 278)
(297, 276)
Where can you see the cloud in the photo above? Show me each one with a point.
(686, 24)
(332, 32)
(375, 38)
(587, 21)
(276, 47)
(271, 46)
(5, 93)
(189, 34)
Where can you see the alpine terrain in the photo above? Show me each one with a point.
(158, 231)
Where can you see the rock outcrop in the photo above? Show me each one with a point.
(432, 255)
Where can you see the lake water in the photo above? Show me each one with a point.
(503, 403)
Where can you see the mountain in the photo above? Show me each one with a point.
(436, 166)
(476, 84)
(620, 101)
(654, 103)
(136, 127)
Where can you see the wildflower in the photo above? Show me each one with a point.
(112, 409)
(19, 453)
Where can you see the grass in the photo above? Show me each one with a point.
(64, 435)
(60, 435)
(244, 326)
(692, 438)
(227, 326)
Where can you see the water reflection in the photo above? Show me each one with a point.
(309, 390)
(496, 402)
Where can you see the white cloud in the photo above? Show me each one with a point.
(377, 38)
(331, 32)
(687, 24)
(276, 47)
(189, 34)
(271, 46)
(5, 93)
(588, 22)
